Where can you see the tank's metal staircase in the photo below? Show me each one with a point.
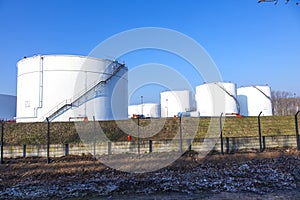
(231, 95)
(94, 90)
(262, 93)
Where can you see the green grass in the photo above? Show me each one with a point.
(66, 132)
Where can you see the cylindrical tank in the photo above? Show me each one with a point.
(151, 110)
(215, 98)
(255, 99)
(8, 105)
(173, 102)
(50, 83)
(133, 110)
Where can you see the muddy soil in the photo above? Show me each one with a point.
(274, 174)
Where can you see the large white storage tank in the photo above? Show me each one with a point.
(212, 99)
(48, 83)
(151, 110)
(8, 105)
(255, 99)
(173, 102)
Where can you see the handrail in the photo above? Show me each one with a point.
(262, 92)
(99, 83)
(232, 96)
(62, 107)
(59, 105)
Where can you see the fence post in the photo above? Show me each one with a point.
(259, 132)
(150, 146)
(189, 143)
(2, 133)
(94, 138)
(24, 150)
(180, 132)
(109, 148)
(66, 149)
(264, 142)
(221, 133)
(48, 140)
(227, 145)
(138, 137)
(297, 130)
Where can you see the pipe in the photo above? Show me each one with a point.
(41, 87)
(41, 91)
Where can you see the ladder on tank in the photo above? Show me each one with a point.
(94, 90)
(231, 95)
(262, 93)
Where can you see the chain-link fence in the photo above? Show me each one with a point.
(235, 134)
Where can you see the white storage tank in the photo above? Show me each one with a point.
(255, 99)
(173, 102)
(8, 105)
(49, 86)
(149, 110)
(134, 110)
(215, 98)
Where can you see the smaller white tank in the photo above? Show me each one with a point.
(173, 102)
(149, 110)
(8, 106)
(133, 110)
(215, 98)
(255, 99)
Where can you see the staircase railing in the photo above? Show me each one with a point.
(96, 89)
(231, 95)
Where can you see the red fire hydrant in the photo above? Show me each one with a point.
(129, 138)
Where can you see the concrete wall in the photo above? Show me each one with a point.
(199, 145)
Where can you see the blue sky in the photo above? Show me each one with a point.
(250, 43)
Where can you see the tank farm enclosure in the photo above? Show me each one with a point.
(68, 88)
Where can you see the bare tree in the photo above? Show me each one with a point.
(276, 1)
(284, 103)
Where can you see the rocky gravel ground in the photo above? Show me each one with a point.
(268, 175)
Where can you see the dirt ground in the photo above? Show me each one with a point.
(274, 174)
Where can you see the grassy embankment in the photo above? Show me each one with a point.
(67, 132)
